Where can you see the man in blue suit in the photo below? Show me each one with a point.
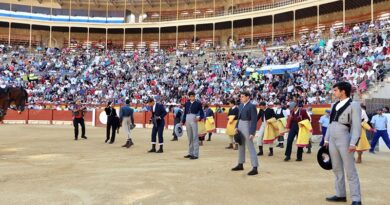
(158, 114)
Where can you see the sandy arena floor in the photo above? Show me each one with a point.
(44, 165)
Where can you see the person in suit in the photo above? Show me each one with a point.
(247, 122)
(209, 113)
(126, 118)
(280, 112)
(112, 122)
(324, 123)
(233, 113)
(158, 115)
(265, 114)
(177, 114)
(190, 119)
(297, 114)
(342, 137)
(379, 122)
(78, 118)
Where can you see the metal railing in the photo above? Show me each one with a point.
(260, 7)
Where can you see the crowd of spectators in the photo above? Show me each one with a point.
(359, 55)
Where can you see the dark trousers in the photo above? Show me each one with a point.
(281, 139)
(290, 139)
(76, 122)
(158, 129)
(111, 124)
(323, 129)
(378, 134)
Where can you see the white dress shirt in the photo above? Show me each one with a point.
(341, 104)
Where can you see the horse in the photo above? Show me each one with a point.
(14, 98)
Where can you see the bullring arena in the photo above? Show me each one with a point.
(42, 164)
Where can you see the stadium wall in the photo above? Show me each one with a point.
(262, 29)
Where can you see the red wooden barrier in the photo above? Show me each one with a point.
(62, 115)
(139, 117)
(40, 115)
(13, 115)
(220, 120)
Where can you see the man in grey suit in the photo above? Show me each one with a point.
(190, 118)
(247, 121)
(341, 137)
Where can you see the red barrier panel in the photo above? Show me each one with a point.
(170, 119)
(98, 123)
(13, 115)
(46, 115)
(315, 124)
(62, 115)
(166, 118)
(139, 117)
(220, 120)
(87, 116)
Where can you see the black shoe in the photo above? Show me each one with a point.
(239, 167)
(126, 144)
(130, 144)
(356, 203)
(298, 160)
(253, 171)
(106, 140)
(230, 146)
(260, 151)
(153, 148)
(188, 156)
(308, 151)
(281, 146)
(287, 159)
(75, 139)
(84, 137)
(160, 150)
(278, 145)
(174, 139)
(111, 142)
(271, 152)
(193, 157)
(336, 199)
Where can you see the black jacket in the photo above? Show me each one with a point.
(268, 112)
(234, 112)
(112, 116)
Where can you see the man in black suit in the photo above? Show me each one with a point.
(264, 114)
(112, 122)
(158, 114)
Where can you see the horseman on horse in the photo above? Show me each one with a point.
(14, 98)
